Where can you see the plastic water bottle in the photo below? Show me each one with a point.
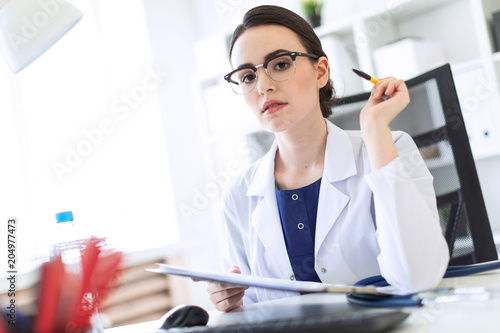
(69, 242)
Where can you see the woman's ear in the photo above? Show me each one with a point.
(323, 70)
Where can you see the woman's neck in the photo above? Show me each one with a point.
(301, 152)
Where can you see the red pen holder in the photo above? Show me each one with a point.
(67, 301)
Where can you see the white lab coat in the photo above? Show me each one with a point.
(368, 223)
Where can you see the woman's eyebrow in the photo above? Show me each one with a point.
(267, 56)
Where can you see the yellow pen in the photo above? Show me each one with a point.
(365, 76)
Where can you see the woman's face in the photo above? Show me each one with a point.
(297, 98)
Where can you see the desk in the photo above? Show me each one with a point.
(463, 316)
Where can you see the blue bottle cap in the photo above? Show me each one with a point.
(64, 217)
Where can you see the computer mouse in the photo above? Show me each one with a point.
(184, 316)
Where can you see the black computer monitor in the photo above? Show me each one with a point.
(434, 120)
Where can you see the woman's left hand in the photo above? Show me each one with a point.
(379, 112)
(376, 116)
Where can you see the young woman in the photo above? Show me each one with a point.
(323, 204)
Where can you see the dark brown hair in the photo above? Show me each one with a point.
(269, 15)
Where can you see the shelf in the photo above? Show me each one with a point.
(403, 9)
(410, 8)
(339, 27)
(465, 66)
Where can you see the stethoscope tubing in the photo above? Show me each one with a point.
(410, 299)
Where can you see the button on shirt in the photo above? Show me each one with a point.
(298, 209)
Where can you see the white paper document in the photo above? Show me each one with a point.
(270, 283)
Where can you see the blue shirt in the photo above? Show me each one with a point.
(298, 209)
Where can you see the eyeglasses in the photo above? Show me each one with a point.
(280, 68)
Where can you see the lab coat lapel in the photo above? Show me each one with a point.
(339, 165)
(265, 218)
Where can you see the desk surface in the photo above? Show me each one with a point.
(460, 316)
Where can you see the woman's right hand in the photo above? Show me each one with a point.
(226, 297)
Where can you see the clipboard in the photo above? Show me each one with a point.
(270, 283)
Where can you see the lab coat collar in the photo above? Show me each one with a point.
(264, 175)
(339, 155)
(339, 162)
(339, 165)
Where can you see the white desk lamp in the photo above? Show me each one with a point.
(29, 27)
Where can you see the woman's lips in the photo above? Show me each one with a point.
(272, 106)
(275, 108)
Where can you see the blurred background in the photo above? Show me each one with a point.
(128, 123)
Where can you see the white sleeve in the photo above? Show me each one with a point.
(413, 252)
(233, 250)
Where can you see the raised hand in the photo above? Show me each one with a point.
(376, 116)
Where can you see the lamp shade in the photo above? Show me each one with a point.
(29, 27)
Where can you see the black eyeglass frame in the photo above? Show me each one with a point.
(292, 55)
